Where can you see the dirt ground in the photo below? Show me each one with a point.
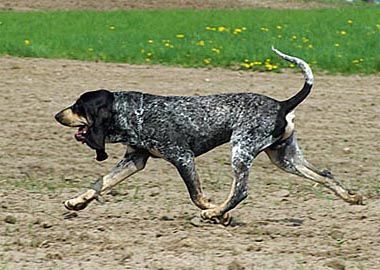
(149, 222)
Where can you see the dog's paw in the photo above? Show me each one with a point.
(212, 215)
(355, 198)
(74, 205)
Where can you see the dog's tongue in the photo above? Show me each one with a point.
(80, 134)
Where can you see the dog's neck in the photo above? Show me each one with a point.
(127, 124)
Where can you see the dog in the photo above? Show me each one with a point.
(180, 128)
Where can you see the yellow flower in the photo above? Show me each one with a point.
(343, 33)
(279, 27)
(90, 49)
(27, 42)
(215, 50)
(207, 61)
(350, 22)
(179, 36)
(305, 39)
(336, 44)
(294, 37)
(355, 61)
(243, 28)
(237, 31)
(142, 51)
(150, 41)
(208, 28)
(112, 27)
(201, 43)
(378, 26)
(310, 46)
(279, 36)
(264, 29)
(222, 29)
(149, 54)
(245, 65)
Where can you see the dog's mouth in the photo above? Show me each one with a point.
(81, 133)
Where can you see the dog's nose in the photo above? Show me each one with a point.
(58, 117)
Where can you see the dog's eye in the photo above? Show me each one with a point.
(78, 109)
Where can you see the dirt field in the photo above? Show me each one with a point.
(149, 222)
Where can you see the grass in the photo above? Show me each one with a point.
(336, 40)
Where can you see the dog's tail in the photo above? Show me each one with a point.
(289, 104)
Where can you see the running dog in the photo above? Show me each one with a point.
(180, 128)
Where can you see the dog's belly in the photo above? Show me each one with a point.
(202, 144)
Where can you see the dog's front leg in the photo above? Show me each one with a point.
(129, 165)
(183, 160)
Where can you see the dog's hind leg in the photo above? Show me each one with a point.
(245, 148)
(288, 156)
(130, 164)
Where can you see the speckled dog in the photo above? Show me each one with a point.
(180, 128)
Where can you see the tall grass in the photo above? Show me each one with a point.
(336, 40)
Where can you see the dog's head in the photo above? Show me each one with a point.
(91, 114)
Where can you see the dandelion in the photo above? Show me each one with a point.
(208, 28)
(180, 36)
(279, 36)
(27, 42)
(336, 44)
(245, 65)
(90, 49)
(350, 22)
(310, 46)
(292, 65)
(243, 28)
(355, 61)
(305, 40)
(200, 43)
(294, 37)
(215, 50)
(150, 41)
(149, 54)
(207, 61)
(343, 33)
(270, 67)
(142, 51)
(112, 27)
(264, 29)
(279, 27)
(378, 26)
(237, 31)
(222, 29)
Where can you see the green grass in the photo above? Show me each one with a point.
(336, 40)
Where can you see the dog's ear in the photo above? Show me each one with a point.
(99, 113)
(97, 133)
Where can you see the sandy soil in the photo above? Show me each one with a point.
(27, 5)
(149, 222)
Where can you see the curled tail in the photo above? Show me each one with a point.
(289, 104)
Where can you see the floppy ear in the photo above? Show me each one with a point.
(98, 131)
